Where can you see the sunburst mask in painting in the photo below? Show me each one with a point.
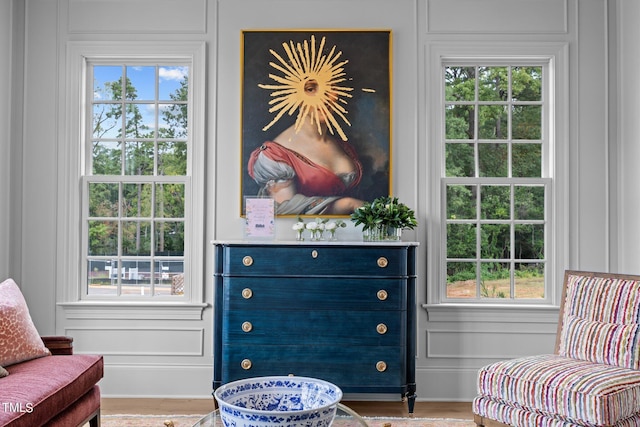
(311, 84)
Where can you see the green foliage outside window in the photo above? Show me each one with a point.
(139, 135)
(495, 232)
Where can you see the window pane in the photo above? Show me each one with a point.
(529, 280)
(138, 121)
(493, 84)
(493, 122)
(104, 79)
(173, 83)
(529, 202)
(169, 238)
(107, 158)
(172, 158)
(527, 84)
(459, 120)
(461, 241)
(496, 241)
(141, 83)
(136, 238)
(460, 83)
(529, 241)
(461, 201)
(103, 238)
(107, 121)
(527, 122)
(169, 201)
(527, 160)
(496, 202)
(139, 158)
(103, 200)
(169, 277)
(460, 160)
(146, 122)
(461, 280)
(173, 121)
(101, 278)
(136, 277)
(495, 281)
(493, 159)
(136, 200)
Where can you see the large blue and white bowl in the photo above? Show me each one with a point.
(278, 401)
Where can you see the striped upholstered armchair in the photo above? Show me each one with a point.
(592, 379)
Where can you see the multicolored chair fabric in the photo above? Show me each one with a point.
(593, 379)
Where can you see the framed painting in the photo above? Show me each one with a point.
(316, 119)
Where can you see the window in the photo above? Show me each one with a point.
(138, 155)
(496, 182)
(136, 179)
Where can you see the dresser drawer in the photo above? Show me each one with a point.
(314, 293)
(318, 260)
(348, 367)
(318, 327)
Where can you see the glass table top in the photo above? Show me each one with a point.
(212, 419)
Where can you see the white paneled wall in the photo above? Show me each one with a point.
(6, 38)
(168, 357)
(627, 175)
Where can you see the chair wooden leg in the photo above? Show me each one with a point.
(487, 422)
(95, 421)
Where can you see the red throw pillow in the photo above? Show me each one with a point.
(19, 338)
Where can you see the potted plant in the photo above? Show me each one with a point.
(384, 218)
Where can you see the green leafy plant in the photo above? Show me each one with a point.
(385, 211)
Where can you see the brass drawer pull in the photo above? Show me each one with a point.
(247, 326)
(382, 262)
(247, 293)
(246, 364)
(247, 261)
(381, 366)
(314, 254)
(381, 328)
(382, 295)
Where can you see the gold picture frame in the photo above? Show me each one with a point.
(316, 119)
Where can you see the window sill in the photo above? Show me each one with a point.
(519, 313)
(133, 310)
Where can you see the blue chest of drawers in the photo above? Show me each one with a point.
(342, 312)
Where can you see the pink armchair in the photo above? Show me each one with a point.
(592, 379)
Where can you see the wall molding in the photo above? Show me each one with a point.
(497, 17)
(124, 16)
(132, 311)
(164, 381)
(139, 341)
(491, 313)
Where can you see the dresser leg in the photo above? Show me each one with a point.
(411, 398)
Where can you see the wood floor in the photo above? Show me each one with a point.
(461, 410)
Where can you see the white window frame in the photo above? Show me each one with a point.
(72, 295)
(555, 153)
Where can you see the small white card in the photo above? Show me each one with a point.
(260, 218)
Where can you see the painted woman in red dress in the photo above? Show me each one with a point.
(307, 173)
(306, 169)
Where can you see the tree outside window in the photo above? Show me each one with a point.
(137, 184)
(495, 184)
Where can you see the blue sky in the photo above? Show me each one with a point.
(143, 78)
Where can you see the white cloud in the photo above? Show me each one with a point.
(173, 73)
